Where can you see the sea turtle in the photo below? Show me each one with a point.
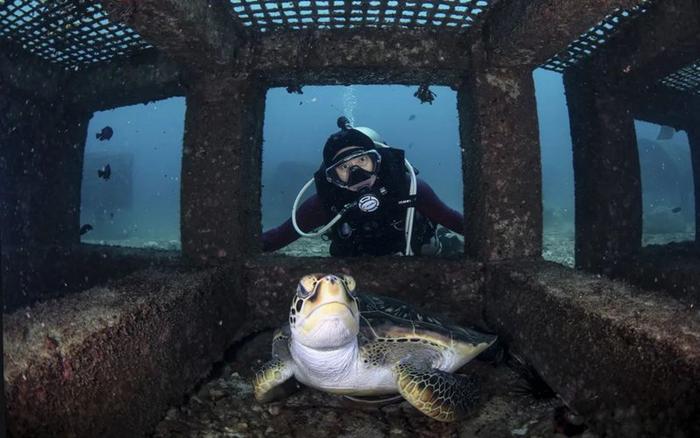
(343, 342)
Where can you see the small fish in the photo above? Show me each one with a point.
(111, 215)
(105, 172)
(85, 228)
(411, 117)
(676, 210)
(105, 134)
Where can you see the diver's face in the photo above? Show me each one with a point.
(363, 162)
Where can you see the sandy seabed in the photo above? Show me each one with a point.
(556, 247)
(225, 407)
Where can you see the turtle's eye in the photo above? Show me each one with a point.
(302, 292)
(349, 283)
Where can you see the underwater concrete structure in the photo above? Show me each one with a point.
(101, 341)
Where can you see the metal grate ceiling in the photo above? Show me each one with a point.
(686, 79)
(72, 33)
(585, 45)
(337, 14)
(75, 33)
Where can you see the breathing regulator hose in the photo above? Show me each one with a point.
(344, 123)
(325, 227)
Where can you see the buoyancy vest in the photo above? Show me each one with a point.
(368, 231)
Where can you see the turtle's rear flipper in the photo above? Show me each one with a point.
(273, 381)
(437, 394)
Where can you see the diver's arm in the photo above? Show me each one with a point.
(429, 205)
(310, 215)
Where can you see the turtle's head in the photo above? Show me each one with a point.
(324, 312)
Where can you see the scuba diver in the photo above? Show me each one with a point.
(368, 201)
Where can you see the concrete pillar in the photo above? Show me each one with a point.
(606, 175)
(501, 164)
(694, 142)
(221, 168)
(41, 158)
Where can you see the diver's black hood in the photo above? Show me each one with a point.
(343, 139)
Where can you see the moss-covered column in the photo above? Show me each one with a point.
(220, 199)
(501, 164)
(41, 158)
(42, 145)
(606, 175)
(694, 141)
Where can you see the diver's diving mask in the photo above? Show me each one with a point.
(354, 169)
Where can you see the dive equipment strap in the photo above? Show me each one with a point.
(410, 201)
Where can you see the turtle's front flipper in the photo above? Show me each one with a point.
(437, 394)
(271, 381)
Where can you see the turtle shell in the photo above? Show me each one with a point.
(389, 318)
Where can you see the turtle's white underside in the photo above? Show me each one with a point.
(343, 371)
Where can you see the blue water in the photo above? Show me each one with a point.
(144, 207)
(668, 200)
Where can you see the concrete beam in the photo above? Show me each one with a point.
(28, 75)
(627, 360)
(365, 56)
(110, 361)
(221, 166)
(673, 269)
(41, 157)
(528, 32)
(657, 43)
(607, 179)
(445, 287)
(192, 32)
(32, 272)
(501, 164)
(663, 105)
(145, 77)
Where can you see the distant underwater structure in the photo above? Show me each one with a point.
(102, 340)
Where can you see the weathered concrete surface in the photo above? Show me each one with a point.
(673, 269)
(221, 162)
(607, 180)
(359, 56)
(225, 407)
(41, 156)
(142, 78)
(657, 43)
(629, 361)
(664, 106)
(33, 273)
(108, 361)
(528, 32)
(501, 164)
(27, 74)
(445, 287)
(194, 33)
